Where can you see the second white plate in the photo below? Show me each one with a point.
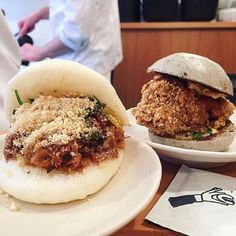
(195, 158)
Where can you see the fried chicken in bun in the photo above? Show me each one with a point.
(66, 139)
(185, 104)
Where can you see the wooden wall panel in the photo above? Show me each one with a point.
(142, 47)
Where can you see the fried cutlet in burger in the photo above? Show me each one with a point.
(66, 139)
(185, 104)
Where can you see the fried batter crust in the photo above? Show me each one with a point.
(168, 107)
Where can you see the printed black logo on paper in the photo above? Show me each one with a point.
(214, 195)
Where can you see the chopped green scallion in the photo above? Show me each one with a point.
(197, 135)
(18, 98)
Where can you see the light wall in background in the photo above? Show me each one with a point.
(16, 9)
(226, 3)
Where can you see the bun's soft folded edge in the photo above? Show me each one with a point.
(217, 143)
(58, 78)
(35, 185)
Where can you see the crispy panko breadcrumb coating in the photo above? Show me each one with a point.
(168, 107)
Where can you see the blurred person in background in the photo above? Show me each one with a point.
(84, 31)
(9, 64)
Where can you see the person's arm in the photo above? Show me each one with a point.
(77, 28)
(52, 49)
(28, 23)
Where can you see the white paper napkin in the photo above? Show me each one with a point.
(198, 202)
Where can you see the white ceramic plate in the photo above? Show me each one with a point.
(128, 193)
(195, 158)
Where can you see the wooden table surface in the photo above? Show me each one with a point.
(140, 226)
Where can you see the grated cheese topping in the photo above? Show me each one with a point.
(51, 120)
(14, 207)
(7, 201)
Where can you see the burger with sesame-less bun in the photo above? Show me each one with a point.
(66, 139)
(185, 104)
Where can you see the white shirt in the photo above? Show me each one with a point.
(91, 28)
(9, 64)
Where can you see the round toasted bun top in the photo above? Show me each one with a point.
(194, 68)
(58, 78)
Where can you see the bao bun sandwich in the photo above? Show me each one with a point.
(66, 139)
(185, 105)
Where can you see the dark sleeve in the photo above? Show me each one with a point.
(182, 200)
